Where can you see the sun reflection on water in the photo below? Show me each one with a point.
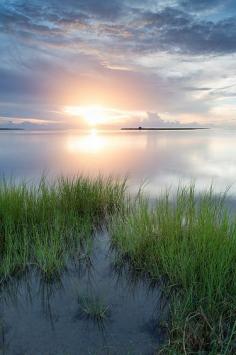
(91, 143)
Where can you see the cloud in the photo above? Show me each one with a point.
(205, 5)
(29, 124)
(169, 28)
(175, 30)
(118, 119)
(173, 56)
(153, 119)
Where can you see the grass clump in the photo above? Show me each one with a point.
(191, 242)
(44, 224)
(94, 308)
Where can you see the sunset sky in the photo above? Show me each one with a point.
(82, 63)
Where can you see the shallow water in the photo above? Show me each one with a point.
(45, 318)
(156, 158)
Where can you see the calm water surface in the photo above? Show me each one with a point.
(41, 318)
(157, 159)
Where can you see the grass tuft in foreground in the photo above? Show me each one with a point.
(191, 241)
(43, 225)
(94, 308)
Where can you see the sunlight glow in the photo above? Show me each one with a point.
(93, 115)
(91, 143)
(96, 116)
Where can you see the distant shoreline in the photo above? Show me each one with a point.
(161, 129)
(11, 129)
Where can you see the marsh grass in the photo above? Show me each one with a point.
(42, 225)
(188, 241)
(191, 241)
(94, 308)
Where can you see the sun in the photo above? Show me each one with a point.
(93, 115)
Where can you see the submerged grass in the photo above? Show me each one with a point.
(94, 308)
(42, 225)
(191, 242)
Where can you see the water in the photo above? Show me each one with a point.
(45, 318)
(37, 317)
(157, 159)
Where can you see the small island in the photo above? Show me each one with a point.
(162, 128)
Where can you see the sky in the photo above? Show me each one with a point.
(85, 63)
